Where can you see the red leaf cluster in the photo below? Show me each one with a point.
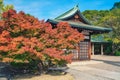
(21, 33)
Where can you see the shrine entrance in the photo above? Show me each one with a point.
(77, 21)
(97, 48)
(83, 52)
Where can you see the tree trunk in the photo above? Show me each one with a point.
(40, 67)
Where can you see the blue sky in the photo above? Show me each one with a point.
(44, 9)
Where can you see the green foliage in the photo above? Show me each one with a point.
(18, 65)
(108, 48)
(31, 66)
(21, 56)
(4, 8)
(110, 19)
(4, 53)
(62, 63)
(117, 53)
(25, 66)
(116, 6)
(95, 16)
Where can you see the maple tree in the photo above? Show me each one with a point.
(4, 7)
(24, 38)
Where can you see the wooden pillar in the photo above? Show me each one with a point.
(79, 51)
(92, 48)
(89, 48)
(102, 49)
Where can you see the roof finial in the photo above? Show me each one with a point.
(76, 6)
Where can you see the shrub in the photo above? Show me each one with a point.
(117, 53)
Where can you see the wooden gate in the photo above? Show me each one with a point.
(83, 52)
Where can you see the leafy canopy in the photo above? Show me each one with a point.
(107, 18)
(24, 38)
(4, 7)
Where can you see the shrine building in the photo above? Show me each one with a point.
(75, 18)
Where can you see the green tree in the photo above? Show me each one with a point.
(95, 16)
(113, 20)
(116, 6)
(107, 18)
(4, 7)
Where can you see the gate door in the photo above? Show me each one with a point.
(83, 53)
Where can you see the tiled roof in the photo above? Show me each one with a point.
(98, 39)
(70, 13)
(82, 26)
(86, 25)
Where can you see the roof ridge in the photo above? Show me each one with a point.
(71, 12)
(75, 7)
